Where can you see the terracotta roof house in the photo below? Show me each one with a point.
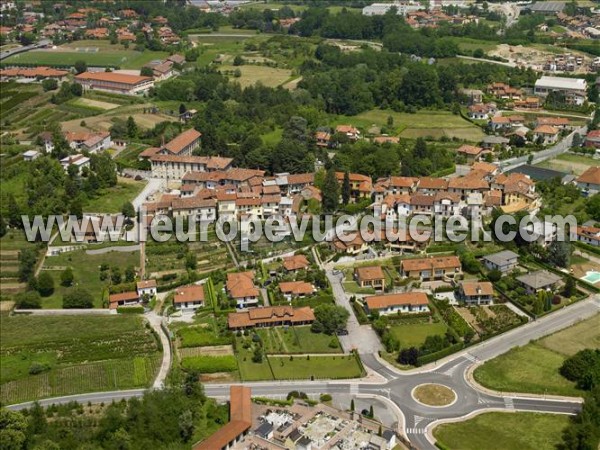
(130, 298)
(240, 286)
(472, 152)
(593, 139)
(546, 134)
(293, 289)
(476, 292)
(146, 287)
(589, 181)
(183, 144)
(189, 297)
(352, 245)
(270, 316)
(351, 132)
(589, 235)
(408, 302)
(295, 262)
(240, 421)
(432, 268)
(370, 277)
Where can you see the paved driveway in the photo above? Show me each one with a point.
(360, 337)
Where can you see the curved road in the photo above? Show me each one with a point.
(396, 385)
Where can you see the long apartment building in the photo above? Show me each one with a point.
(119, 83)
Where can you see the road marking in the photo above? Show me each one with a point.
(508, 403)
(418, 420)
(470, 357)
(483, 401)
(450, 371)
(415, 430)
(354, 388)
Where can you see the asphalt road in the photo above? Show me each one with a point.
(417, 418)
(14, 51)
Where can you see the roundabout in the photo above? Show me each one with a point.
(434, 395)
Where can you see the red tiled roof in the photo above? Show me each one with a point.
(440, 262)
(191, 293)
(270, 315)
(241, 284)
(590, 176)
(472, 288)
(177, 144)
(407, 298)
(369, 273)
(113, 77)
(295, 262)
(296, 287)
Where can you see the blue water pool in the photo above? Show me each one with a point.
(592, 277)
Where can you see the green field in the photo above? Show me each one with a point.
(10, 246)
(570, 163)
(317, 367)
(251, 74)
(503, 430)
(110, 200)
(74, 354)
(125, 59)
(297, 340)
(534, 367)
(424, 123)
(86, 271)
(414, 334)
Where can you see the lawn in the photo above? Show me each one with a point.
(74, 354)
(110, 200)
(251, 74)
(297, 340)
(500, 430)
(571, 163)
(421, 124)
(534, 367)
(65, 55)
(86, 269)
(414, 334)
(317, 367)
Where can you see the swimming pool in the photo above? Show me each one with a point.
(592, 277)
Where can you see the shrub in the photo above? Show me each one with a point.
(37, 367)
(325, 398)
(28, 300)
(77, 298)
(45, 284)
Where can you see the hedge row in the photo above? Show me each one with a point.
(425, 359)
(130, 310)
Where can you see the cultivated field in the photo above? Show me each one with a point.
(534, 367)
(267, 76)
(502, 430)
(74, 354)
(11, 244)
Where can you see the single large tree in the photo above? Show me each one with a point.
(346, 188)
(331, 317)
(331, 192)
(45, 284)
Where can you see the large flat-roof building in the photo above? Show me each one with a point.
(402, 8)
(574, 89)
(114, 82)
